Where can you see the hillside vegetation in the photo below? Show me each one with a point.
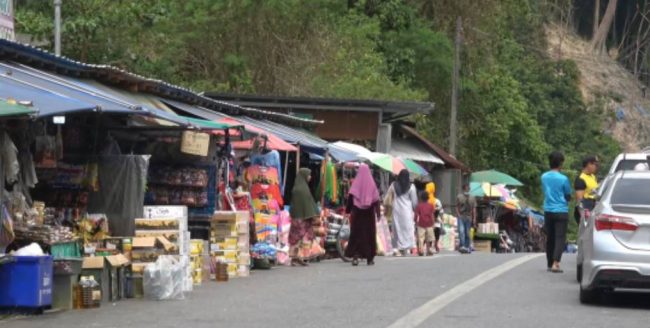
(518, 101)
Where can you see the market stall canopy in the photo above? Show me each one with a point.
(347, 152)
(47, 102)
(273, 142)
(307, 141)
(10, 108)
(495, 177)
(30, 84)
(409, 149)
(393, 164)
(208, 125)
(413, 167)
(110, 75)
(478, 189)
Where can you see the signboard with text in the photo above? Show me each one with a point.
(7, 20)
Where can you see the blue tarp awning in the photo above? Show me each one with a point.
(52, 83)
(54, 94)
(46, 102)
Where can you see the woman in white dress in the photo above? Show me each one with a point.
(404, 202)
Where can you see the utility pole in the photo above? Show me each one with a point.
(453, 125)
(57, 27)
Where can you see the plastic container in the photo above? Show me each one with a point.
(66, 249)
(67, 266)
(26, 282)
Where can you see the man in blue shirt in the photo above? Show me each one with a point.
(557, 194)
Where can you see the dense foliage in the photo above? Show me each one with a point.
(516, 104)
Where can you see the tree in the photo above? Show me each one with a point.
(599, 38)
(596, 17)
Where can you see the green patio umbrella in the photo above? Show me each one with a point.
(14, 109)
(494, 177)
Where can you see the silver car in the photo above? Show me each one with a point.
(614, 243)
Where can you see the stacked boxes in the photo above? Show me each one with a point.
(229, 241)
(488, 228)
(197, 260)
(168, 224)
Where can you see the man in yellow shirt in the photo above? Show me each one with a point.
(585, 186)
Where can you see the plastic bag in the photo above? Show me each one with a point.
(9, 159)
(7, 234)
(164, 279)
(32, 249)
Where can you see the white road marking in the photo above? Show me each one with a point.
(437, 256)
(421, 314)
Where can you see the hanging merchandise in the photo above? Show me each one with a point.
(9, 159)
(7, 234)
(328, 184)
(267, 204)
(271, 160)
(284, 226)
(46, 152)
(384, 240)
(187, 186)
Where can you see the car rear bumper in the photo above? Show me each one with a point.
(611, 265)
(622, 277)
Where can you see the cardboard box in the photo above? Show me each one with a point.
(172, 211)
(94, 262)
(138, 267)
(483, 246)
(166, 244)
(144, 242)
(231, 217)
(493, 227)
(98, 268)
(171, 235)
(157, 224)
(195, 143)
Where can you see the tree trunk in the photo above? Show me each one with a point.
(596, 17)
(598, 41)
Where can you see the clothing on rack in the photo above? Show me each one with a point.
(270, 159)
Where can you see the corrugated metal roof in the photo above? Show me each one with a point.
(449, 160)
(112, 75)
(46, 102)
(412, 149)
(24, 77)
(291, 135)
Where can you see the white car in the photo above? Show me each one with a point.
(625, 161)
(614, 243)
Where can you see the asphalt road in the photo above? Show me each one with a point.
(448, 290)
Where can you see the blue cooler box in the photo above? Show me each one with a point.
(26, 282)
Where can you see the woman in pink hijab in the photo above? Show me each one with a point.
(363, 207)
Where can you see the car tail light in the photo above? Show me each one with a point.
(614, 222)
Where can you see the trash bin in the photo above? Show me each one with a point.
(26, 282)
(66, 275)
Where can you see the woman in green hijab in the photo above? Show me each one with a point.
(303, 212)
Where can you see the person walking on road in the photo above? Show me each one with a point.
(466, 214)
(557, 194)
(364, 209)
(424, 219)
(430, 188)
(585, 187)
(403, 199)
(303, 212)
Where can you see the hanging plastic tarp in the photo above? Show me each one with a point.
(122, 183)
